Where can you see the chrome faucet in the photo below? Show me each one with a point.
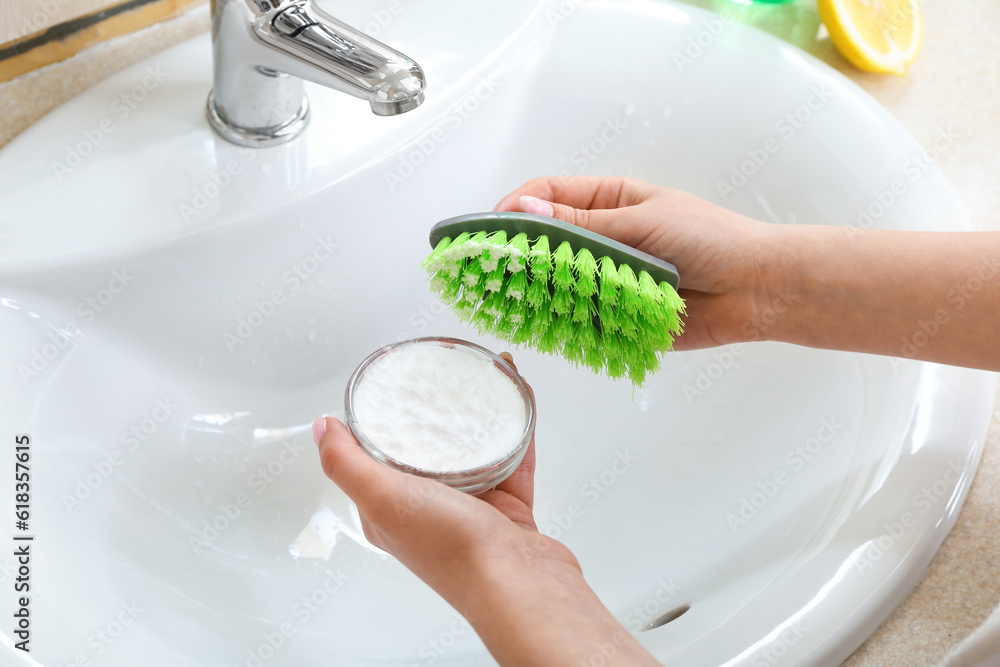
(263, 49)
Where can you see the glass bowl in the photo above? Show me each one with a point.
(470, 480)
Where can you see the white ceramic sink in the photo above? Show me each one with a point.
(169, 333)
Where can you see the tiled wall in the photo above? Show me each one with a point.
(36, 33)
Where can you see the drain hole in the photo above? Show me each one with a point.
(671, 615)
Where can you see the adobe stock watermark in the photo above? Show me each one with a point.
(795, 460)
(41, 18)
(121, 108)
(786, 127)
(724, 359)
(265, 307)
(432, 650)
(697, 45)
(773, 653)
(428, 143)
(131, 440)
(663, 599)
(381, 18)
(422, 318)
(101, 640)
(563, 11)
(604, 652)
(913, 169)
(559, 523)
(60, 339)
(921, 502)
(257, 482)
(957, 298)
(300, 614)
(590, 151)
(757, 327)
(203, 195)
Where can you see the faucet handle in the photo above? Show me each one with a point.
(263, 49)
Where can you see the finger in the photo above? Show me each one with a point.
(366, 481)
(521, 483)
(506, 356)
(582, 192)
(629, 225)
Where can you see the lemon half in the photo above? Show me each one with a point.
(875, 35)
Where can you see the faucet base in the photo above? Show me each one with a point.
(257, 137)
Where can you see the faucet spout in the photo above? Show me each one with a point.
(264, 49)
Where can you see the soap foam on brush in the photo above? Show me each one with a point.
(439, 409)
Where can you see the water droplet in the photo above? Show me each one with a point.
(647, 123)
(263, 282)
(629, 109)
(311, 337)
(667, 111)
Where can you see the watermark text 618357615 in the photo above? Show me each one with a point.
(22, 542)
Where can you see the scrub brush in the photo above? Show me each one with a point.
(543, 283)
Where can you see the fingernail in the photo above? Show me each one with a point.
(319, 429)
(535, 205)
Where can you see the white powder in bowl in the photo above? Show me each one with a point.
(439, 409)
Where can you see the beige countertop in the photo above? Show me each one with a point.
(951, 87)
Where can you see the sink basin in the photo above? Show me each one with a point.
(176, 310)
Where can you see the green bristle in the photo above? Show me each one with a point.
(562, 302)
(517, 286)
(456, 249)
(616, 367)
(542, 331)
(522, 334)
(541, 260)
(518, 249)
(585, 267)
(494, 281)
(593, 312)
(463, 309)
(584, 308)
(588, 339)
(628, 301)
(548, 342)
(637, 374)
(472, 274)
(611, 344)
(473, 292)
(609, 282)
(518, 312)
(495, 305)
(594, 358)
(562, 275)
(628, 291)
(506, 319)
(608, 315)
(492, 311)
(649, 291)
(474, 246)
(564, 330)
(435, 256)
(673, 308)
(494, 251)
(538, 294)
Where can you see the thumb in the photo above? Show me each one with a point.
(360, 476)
(625, 225)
